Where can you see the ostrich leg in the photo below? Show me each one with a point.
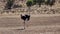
(24, 24)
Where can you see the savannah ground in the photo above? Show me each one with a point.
(38, 24)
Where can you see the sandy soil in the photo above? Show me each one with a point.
(36, 25)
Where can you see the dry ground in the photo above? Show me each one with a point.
(36, 25)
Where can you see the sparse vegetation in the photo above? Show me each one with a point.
(17, 6)
(9, 4)
(50, 2)
(31, 4)
(40, 2)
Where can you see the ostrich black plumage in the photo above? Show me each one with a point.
(25, 17)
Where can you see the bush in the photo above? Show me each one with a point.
(17, 6)
(39, 2)
(29, 3)
(9, 4)
(50, 2)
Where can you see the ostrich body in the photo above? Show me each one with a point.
(25, 17)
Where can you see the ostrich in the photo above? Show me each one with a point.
(25, 17)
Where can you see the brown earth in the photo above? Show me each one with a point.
(36, 25)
